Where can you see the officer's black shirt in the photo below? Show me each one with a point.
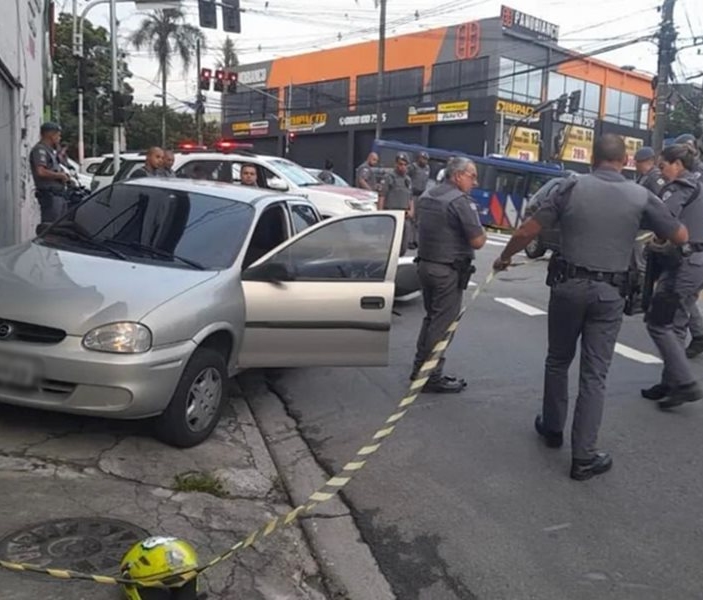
(45, 156)
(684, 198)
(653, 180)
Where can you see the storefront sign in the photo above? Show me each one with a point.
(578, 120)
(253, 77)
(422, 118)
(514, 109)
(519, 22)
(443, 112)
(633, 145)
(523, 144)
(305, 123)
(573, 143)
(250, 128)
(368, 119)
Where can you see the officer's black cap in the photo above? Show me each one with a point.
(49, 127)
(402, 157)
(645, 153)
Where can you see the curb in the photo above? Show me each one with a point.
(350, 570)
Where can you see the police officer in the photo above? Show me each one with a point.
(598, 215)
(679, 283)
(648, 174)
(365, 175)
(690, 140)
(419, 173)
(449, 232)
(396, 194)
(49, 180)
(153, 164)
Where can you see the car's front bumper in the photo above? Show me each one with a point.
(75, 380)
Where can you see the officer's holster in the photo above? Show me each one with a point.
(465, 269)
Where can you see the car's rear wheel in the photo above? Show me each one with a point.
(535, 249)
(197, 403)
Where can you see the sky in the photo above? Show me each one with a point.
(273, 28)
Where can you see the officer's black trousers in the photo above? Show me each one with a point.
(442, 298)
(592, 311)
(52, 206)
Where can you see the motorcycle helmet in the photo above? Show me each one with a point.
(157, 558)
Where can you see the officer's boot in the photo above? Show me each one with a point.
(444, 385)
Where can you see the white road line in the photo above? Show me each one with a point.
(632, 354)
(521, 307)
(491, 242)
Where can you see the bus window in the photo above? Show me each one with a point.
(510, 182)
(537, 180)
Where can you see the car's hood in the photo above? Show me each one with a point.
(356, 193)
(77, 292)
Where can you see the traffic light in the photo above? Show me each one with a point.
(575, 101)
(219, 81)
(205, 77)
(231, 16)
(120, 105)
(231, 83)
(207, 11)
(561, 104)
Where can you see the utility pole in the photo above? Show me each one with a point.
(115, 84)
(289, 104)
(381, 67)
(199, 104)
(667, 54)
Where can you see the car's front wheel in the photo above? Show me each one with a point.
(197, 403)
(535, 249)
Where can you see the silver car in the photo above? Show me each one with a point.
(148, 296)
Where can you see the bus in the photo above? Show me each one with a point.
(504, 185)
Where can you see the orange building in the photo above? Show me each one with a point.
(460, 87)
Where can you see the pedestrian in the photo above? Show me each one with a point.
(648, 174)
(169, 159)
(248, 175)
(598, 216)
(365, 175)
(327, 174)
(449, 232)
(49, 180)
(153, 164)
(419, 172)
(690, 140)
(680, 281)
(396, 194)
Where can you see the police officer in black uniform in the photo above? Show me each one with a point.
(648, 174)
(49, 180)
(396, 194)
(449, 232)
(690, 141)
(598, 215)
(680, 281)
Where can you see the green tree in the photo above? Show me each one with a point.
(97, 107)
(228, 59)
(686, 114)
(166, 34)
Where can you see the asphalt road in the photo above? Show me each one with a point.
(464, 501)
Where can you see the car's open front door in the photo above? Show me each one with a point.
(325, 297)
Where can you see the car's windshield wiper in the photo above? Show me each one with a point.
(78, 235)
(158, 252)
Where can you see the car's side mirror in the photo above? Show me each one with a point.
(273, 272)
(276, 183)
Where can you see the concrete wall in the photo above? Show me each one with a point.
(23, 66)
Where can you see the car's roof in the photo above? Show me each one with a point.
(229, 191)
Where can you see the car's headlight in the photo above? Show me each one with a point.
(358, 204)
(120, 338)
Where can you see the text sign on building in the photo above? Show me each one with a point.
(518, 22)
(305, 123)
(253, 77)
(511, 109)
(633, 145)
(573, 143)
(523, 144)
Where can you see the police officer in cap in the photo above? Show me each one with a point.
(690, 141)
(598, 215)
(396, 194)
(49, 180)
(648, 174)
(449, 232)
(680, 281)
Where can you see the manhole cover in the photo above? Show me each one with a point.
(87, 545)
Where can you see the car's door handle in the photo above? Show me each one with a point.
(373, 302)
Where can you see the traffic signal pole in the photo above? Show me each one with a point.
(115, 84)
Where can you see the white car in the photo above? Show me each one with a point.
(105, 173)
(274, 173)
(90, 165)
(75, 172)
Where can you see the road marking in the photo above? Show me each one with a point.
(521, 307)
(632, 354)
(491, 242)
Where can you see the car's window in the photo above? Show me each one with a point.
(268, 175)
(270, 231)
(356, 248)
(204, 229)
(236, 172)
(210, 170)
(106, 168)
(93, 168)
(294, 172)
(304, 216)
(127, 168)
(340, 181)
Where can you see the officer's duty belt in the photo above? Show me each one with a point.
(434, 262)
(574, 272)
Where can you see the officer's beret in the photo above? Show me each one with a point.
(50, 126)
(645, 153)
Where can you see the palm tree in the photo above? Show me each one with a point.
(228, 59)
(166, 34)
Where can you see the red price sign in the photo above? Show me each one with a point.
(578, 153)
(524, 155)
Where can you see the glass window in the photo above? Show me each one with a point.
(156, 225)
(107, 167)
(644, 115)
(519, 81)
(590, 93)
(303, 217)
(556, 85)
(92, 168)
(127, 167)
(294, 172)
(509, 182)
(628, 108)
(355, 248)
(590, 99)
(210, 170)
(623, 108)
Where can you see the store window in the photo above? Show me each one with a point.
(519, 81)
(590, 92)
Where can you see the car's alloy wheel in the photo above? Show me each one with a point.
(197, 403)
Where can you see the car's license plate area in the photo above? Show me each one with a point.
(18, 373)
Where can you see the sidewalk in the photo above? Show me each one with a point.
(63, 467)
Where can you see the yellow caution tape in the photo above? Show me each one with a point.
(328, 490)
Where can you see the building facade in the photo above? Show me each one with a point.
(470, 87)
(25, 64)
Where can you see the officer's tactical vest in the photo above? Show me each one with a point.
(439, 238)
